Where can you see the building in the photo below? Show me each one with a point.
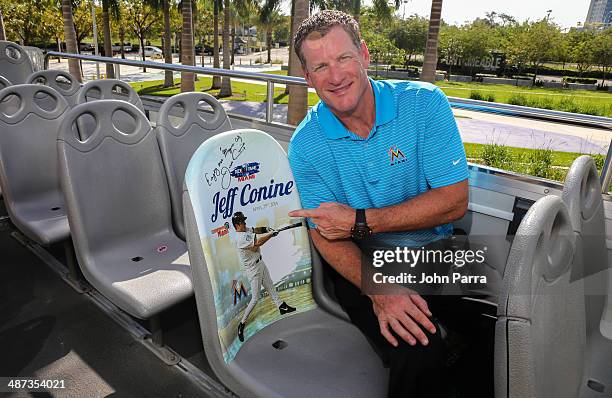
(600, 12)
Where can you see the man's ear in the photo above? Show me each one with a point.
(365, 55)
(307, 76)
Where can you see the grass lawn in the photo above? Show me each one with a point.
(560, 159)
(241, 91)
(579, 101)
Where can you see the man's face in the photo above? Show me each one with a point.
(241, 226)
(337, 69)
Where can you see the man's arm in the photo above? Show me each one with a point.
(432, 208)
(258, 242)
(402, 313)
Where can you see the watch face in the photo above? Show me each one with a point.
(361, 232)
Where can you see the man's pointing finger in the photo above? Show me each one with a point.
(303, 213)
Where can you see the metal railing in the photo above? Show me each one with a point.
(462, 103)
(269, 79)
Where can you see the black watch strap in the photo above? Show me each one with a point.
(360, 217)
(360, 230)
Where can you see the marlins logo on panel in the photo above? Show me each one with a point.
(238, 290)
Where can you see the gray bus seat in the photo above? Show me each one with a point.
(15, 64)
(28, 161)
(322, 287)
(178, 143)
(540, 332)
(582, 196)
(119, 210)
(4, 82)
(306, 353)
(61, 81)
(107, 89)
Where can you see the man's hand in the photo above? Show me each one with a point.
(404, 313)
(333, 220)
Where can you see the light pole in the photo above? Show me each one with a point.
(404, 5)
(95, 36)
(548, 15)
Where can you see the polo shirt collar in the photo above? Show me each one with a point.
(386, 110)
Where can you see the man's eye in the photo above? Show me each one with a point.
(319, 68)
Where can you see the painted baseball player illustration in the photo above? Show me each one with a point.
(248, 242)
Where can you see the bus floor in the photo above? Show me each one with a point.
(49, 331)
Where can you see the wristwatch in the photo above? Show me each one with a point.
(360, 230)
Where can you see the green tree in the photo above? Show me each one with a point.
(83, 23)
(582, 49)
(476, 43)
(602, 52)
(514, 48)
(410, 35)
(141, 19)
(541, 40)
(451, 45)
(268, 18)
(25, 21)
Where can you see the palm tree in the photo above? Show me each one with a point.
(167, 48)
(298, 95)
(269, 18)
(113, 6)
(226, 83)
(216, 83)
(428, 74)
(2, 31)
(187, 53)
(164, 5)
(71, 44)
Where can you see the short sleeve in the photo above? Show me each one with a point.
(245, 239)
(311, 187)
(444, 161)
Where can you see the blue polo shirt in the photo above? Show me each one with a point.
(414, 146)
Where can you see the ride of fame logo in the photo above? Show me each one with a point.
(246, 171)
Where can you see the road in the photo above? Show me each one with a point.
(475, 127)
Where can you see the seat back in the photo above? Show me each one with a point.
(105, 90)
(15, 64)
(106, 177)
(540, 331)
(582, 196)
(248, 171)
(28, 136)
(4, 82)
(63, 82)
(178, 142)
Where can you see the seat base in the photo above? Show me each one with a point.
(144, 276)
(319, 356)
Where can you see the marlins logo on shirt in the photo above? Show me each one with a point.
(396, 155)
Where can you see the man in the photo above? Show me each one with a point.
(248, 244)
(380, 162)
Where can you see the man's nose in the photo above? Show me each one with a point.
(335, 74)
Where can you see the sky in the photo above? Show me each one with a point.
(564, 12)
